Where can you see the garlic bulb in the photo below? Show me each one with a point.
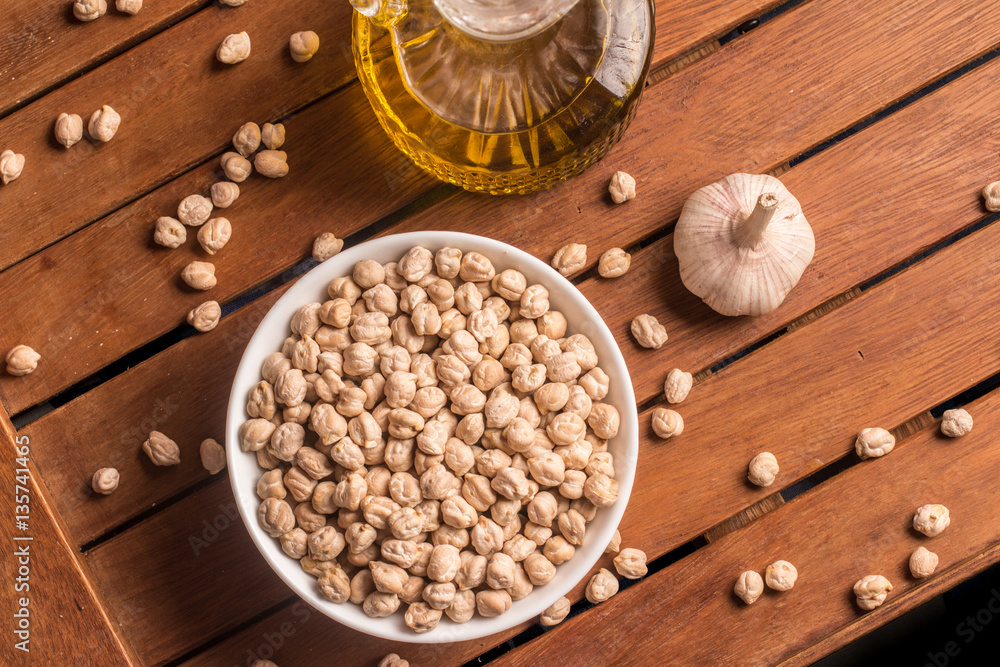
(742, 244)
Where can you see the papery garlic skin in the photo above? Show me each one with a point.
(734, 271)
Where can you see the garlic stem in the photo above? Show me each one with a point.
(750, 232)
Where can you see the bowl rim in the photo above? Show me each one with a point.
(315, 282)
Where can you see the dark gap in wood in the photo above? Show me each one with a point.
(134, 40)
(923, 254)
(968, 396)
(898, 105)
(754, 23)
(180, 495)
(654, 566)
(223, 636)
(766, 340)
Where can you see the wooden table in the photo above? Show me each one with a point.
(881, 117)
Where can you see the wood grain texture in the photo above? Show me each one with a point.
(858, 523)
(179, 106)
(65, 614)
(42, 43)
(184, 575)
(693, 129)
(684, 24)
(126, 291)
(177, 393)
(805, 396)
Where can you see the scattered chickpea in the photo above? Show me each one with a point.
(104, 123)
(615, 544)
(130, 7)
(273, 164)
(667, 423)
(781, 575)
(161, 450)
(393, 660)
(206, 316)
(622, 187)
(69, 129)
(749, 586)
(871, 591)
(570, 258)
(104, 481)
(22, 360)
(991, 196)
(931, 520)
(272, 136)
(326, 246)
(601, 586)
(923, 562)
(763, 469)
(11, 166)
(247, 139)
(89, 10)
(224, 194)
(194, 210)
(614, 263)
(631, 563)
(956, 423)
(649, 332)
(556, 612)
(677, 385)
(215, 234)
(213, 456)
(233, 3)
(874, 442)
(199, 275)
(169, 232)
(303, 45)
(234, 49)
(236, 167)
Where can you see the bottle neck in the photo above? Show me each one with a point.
(503, 20)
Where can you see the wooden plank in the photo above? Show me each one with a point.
(179, 106)
(93, 257)
(42, 44)
(125, 290)
(683, 24)
(805, 396)
(753, 105)
(856, 524)
(63, 615)
(936, 195)
(177, 393)
(172, 580)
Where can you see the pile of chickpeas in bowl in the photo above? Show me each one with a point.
(433, 439)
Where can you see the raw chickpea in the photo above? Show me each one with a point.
(648, 332)
(552, 397)
(604, 420)
(247, 139)
(596, 383)
(614, 263)
(601, 586)
(335, 586)
(303, 45)
(275, 517)
(463, 607)
(439, 595)
(558, 550)
(871, 591)
(444, 563)
(631, 563)
(104, 481)
(931, 520)
(572, 484)
(299, 484)
(570, 259)
(236, 167)
(923, 562)
(601, 490)
(104, 122)
(514, 356)
(199, 275)
(161, 450)
(749, 586)
(388, 578)
(763, 469)
(413, 590)
(556, 612)
(573, 526)
(492, 603)
(169, 232)
(667, 423)
(781, 575)
(368, 274)
(420, 617)
(534, 302)
(235, 48)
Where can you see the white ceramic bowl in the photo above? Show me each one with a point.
(582, 318)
